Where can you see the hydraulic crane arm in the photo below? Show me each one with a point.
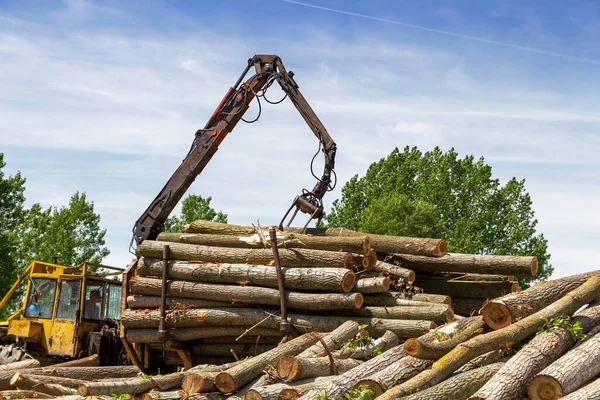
(269, 68)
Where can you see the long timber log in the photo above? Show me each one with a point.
(140, 301)
(299, 258)
(391, 299)
(333, 340)
(591, 391)
(387, 341)
(149, 335)
(320, 279)
(474, 289)
(246, 294)
(439, 313)
(372, 285)
(292, 368)
(394, 271)
(20, 365)
(470, 263)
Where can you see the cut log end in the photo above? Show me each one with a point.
(358, 300)
(349, 261)
(369, 260)
(496, 315)
(544, 387)
(449, 315)
(411, 276)
(412, 347)
(375, 386)
(287, 368)
(14, 381)
(289, 394)
(348, 281)
(440, 249)
(225, 383)
(252, 395)
(534, 266)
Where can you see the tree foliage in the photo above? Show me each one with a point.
(437, 194)
(194, 207)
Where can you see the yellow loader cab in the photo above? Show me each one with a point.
(66, 313)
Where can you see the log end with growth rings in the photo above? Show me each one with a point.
(440, 249)
(449, 314)
(496, 315)
(287, 368)
(412, 347)
(225, 383)
(252, 395)
(289, 394)
(544, 387)
(375, 386)
(358, 300)
(348, 281)
(349, 261)
(369, 260)
(534, 266)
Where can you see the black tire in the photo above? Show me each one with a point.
(10, 353)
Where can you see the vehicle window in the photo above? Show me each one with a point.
(68, 300)
(113, 302)
(41, 298)
(94, 293)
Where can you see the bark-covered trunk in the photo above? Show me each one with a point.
(460, 386)
(140, 301)
(270, 392)
(323, 279)
(507, 337)
(387, 341)
(234, 378)
(471, 263)
(334, 340)
(56, 380)
(246, 294)
(23, 394)
(351, 244)
(502, 312)
(180, 394)
(22, 381)
(150, 335)
(299, 258)
(439, 313)
(292, 368)
(510, 382)
(199, 382)
(568, 373)
(590, 391)
(25, 364)
(474, 289)
(227, 350)
(394, 271)
(372, 285)
(89, 361)
(391, 299)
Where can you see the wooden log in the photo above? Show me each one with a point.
(381, 344)
(22, 381)
(392, 299)
(568, 373)
(394, 271)
(226, 350)
(510, 382)
(500, 313)
(338, 385)
(470, 277)
(236, 377)
(507, 337)
(23, 394)
(248, 339)
(298, 258)
(56, 380)
(139, 301)
(251, 316)
(180, 394)
(458, 387)
(474, 289)
(200, 382)
(591, 391)
(483, 360)
(149, 335)
(439, 313)
(371, 285)
(467, 307)
(323, 279)
(465, 330)
(20, 365)
(369, 260)
(246, 294)
(471, 263)
(270, 392)
(89, 361)
(354, 244)
(334, 340)
(394, 374)
(290, 368)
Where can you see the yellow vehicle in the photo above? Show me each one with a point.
(67, 312)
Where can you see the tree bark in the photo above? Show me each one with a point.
(290, 368)
(474, 289)
(471, 263)
(467, 307)
(358, 244)
(299, 258)
(568, 373)
(465, 330)
(180, 394)
(334, 340)
(150, 335)
(391, 299)
(25, 364)
(200, 382)
(380, 243)
(226, 350)
(590, 391)
(269, 392)
(90, 361)
(387, 341)
(246, 294)
(247, 339)
(23, 394)
(372, 285)
(71, 383)
(510, 382)
(439, 313)
(323, 279)
(338, 385)
(394, 374)
(394, 271)
(252, 316)
(139, 301)
(500, 313)
(22, 381)
(458, 387)
(507, 337)
(236, 377)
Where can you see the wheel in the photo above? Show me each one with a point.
(11, 353)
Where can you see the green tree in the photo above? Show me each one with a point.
(194, 207)
(70, 233)
(12, 199)
(437, 194)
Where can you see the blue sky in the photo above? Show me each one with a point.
(104, 97)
